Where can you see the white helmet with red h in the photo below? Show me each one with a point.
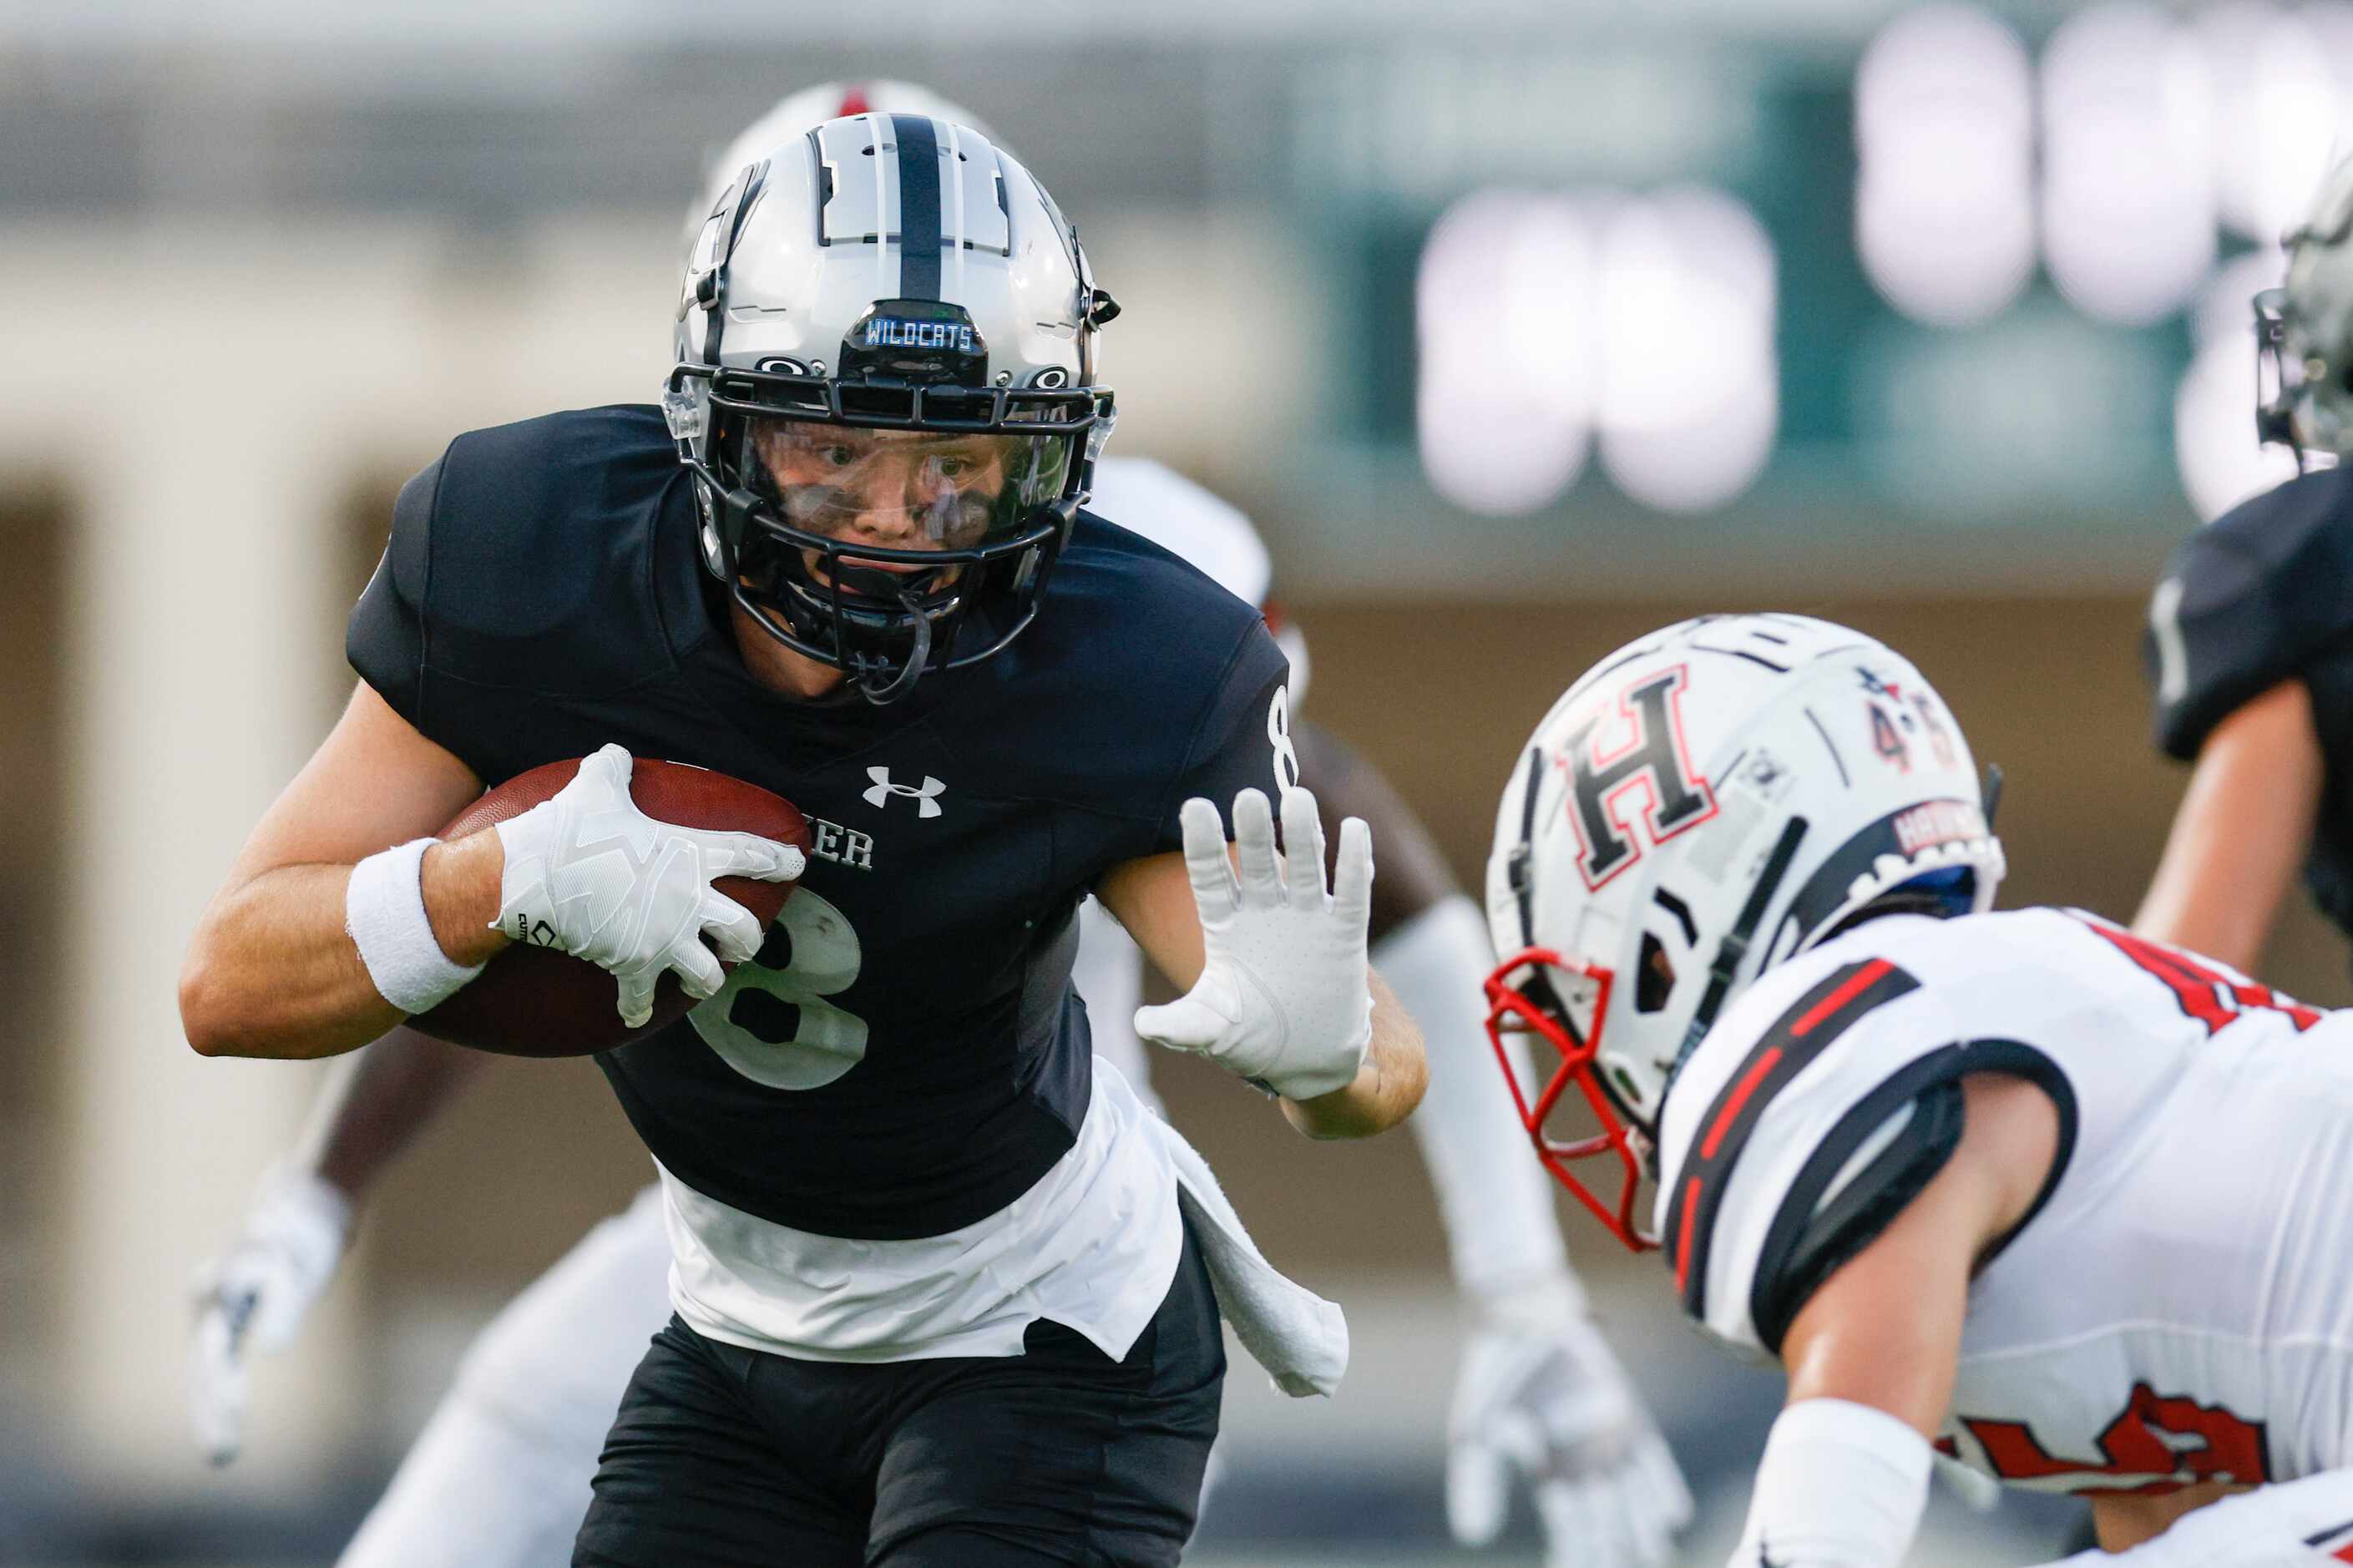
(1701, 805)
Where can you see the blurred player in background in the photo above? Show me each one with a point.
(2060, 1201)
(2250, 640)
(500, 1475)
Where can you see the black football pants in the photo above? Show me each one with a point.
(725, 1457)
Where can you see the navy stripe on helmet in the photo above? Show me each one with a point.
(919, 205)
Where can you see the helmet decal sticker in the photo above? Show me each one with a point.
(1647, 753)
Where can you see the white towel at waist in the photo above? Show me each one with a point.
(1299, 1339)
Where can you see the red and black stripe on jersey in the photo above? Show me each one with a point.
(1802, 1033)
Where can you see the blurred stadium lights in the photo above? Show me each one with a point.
(1690, 381)
(1943, 120)
(1505, 400)
(2283, 102)
(2214, 407)
(2127, 187)
(1544, 321)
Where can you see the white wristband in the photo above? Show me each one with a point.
(1841, 1486)
(384, 910)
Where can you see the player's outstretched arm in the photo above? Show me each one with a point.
(2240, 831)
(271, 970)
(257, 1292)
(1845, 1472)
(1277, 986)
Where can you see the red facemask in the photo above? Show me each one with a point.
(1511, 1011)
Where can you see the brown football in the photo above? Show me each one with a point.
(536, 1002)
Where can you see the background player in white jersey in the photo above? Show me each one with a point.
(500, 1474)
(2060, 1201)
(2250, 641)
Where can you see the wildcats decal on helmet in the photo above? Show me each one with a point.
(918, 340)
(1647, 753)
(891, 332)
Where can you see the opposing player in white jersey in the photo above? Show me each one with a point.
(500, 1474)
(2056, 1200)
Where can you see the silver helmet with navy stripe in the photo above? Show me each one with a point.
(886, 392)
(1700, 806)
(795, 114)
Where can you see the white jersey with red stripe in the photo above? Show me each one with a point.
(2177, 1307)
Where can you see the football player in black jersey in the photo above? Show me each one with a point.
(936, 1302)
(498, 1475)
(2249, 639)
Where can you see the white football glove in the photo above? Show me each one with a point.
(589, 874)
(257, 1294)
(1540, 1394)
(1283, 998)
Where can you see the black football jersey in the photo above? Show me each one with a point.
(906, 1055)
(2263, 593)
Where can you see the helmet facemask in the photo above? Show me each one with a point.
(888, 529)
(1523, 1000)
(2303, 333)
(1566, 1002)
(897, 510)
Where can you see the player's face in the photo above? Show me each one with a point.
(896, 490)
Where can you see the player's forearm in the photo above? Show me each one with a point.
(272, 970)
(1387, 1087)
(379, 1100)
(2124, 1521)
(2240, 832)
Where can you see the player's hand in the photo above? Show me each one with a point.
(1541, 1395)
(257, 1294)
(589, 874)
(1283, 996)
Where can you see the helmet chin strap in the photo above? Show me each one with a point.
(1736, 941)
(876, 682)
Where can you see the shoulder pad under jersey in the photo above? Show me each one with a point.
(521, 568)
(1815, 1108)
(2246, 602)
(1140, 678)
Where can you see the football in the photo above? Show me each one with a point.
(537, 1001)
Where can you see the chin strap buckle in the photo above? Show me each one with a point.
(876, 682)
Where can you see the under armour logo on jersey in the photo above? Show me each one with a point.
(1638, 748)
(927, 796)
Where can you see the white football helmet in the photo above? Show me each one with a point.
(795, 114)
(2304, 330)
(885, 389)
(1701, 805)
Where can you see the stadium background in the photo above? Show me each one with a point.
(1519, 327)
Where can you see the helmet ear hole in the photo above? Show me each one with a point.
(1654, 976)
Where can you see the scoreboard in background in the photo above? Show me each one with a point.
(1965, 277)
